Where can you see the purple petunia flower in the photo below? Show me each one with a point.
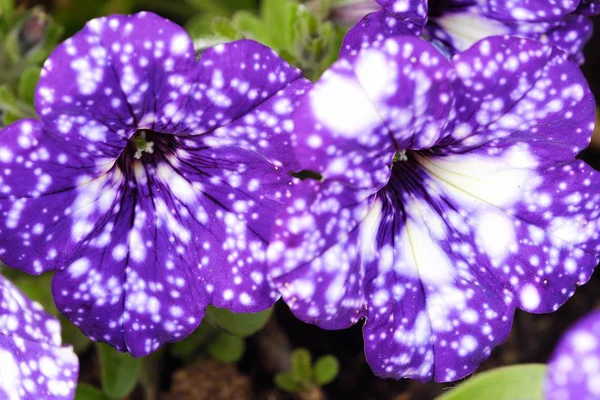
(450, 196)
(457, 24)
(151, 181)
(33, 365)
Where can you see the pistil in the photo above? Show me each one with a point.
(142, 145)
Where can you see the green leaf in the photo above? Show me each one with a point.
(302, 366)
(186, 348)
(518, 382)
(9, 103)
(226, 348)
(201, 25)
(9, 117)
(6, 8)
(222, 27)
(119, 371)
(89, 392)
(237, 324)
(27, 84)
(274, 14)
(11, 45)
(250, 25)
(73, 336)
(326, 370)
(286, 381)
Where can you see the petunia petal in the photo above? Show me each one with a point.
(124, 73)
(22, 317)
(344, 125)
(267, 129)
(235, 78)
(529, 92)
(571, 35)
(36, 197)
(353, 111)
(374, 28)
(413, 13)
(80, 100)
(53, 375)
(139, 288)
(119, 74)
(460, 29)
(434, 311)
(33, 363)
(150, 58)
(313, 257)
(528, 10)
(575, 363)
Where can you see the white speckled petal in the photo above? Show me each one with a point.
(459, 28)
(516, 90)
(367, 107)
(33, 365)
(39, 174)
(313, 256)
(526, 10)
(455, 25)
(397, 17)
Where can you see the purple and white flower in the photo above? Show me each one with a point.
(574, 368)
(458, 24)
(450, 196)
(152, 180)
(33, 365)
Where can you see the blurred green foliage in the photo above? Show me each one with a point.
(300, 35)
(27, 36)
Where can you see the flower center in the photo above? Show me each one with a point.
(147, 146)
(143, 144)
(400, 156)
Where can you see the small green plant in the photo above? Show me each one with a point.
(304, 375)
